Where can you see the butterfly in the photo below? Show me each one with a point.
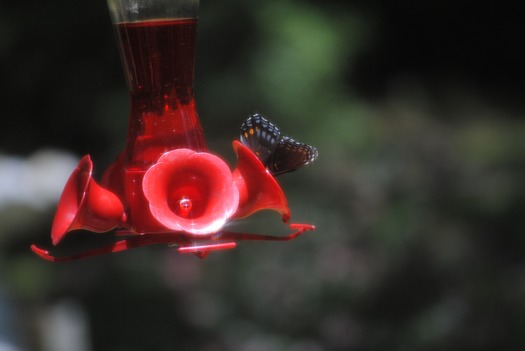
(279, 154)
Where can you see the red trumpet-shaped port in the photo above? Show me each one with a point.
(258, 189)
(86, 205)
(191, 191)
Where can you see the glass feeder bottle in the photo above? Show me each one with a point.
(156, 41)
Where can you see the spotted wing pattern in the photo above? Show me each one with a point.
(279, 154)
(290, 155)
(261, 136)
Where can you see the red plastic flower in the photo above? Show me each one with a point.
(258, 189)
(86, 205)
(191, 191)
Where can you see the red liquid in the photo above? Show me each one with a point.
(159, 60)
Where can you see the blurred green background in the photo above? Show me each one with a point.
(417, 111)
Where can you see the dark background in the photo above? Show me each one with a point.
(417, 111)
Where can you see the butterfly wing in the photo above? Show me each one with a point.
(279, 154)
(261, 136)
(290, 155)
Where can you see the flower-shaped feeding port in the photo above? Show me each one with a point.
(191, 191)
(86, 205)
(190, 195)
